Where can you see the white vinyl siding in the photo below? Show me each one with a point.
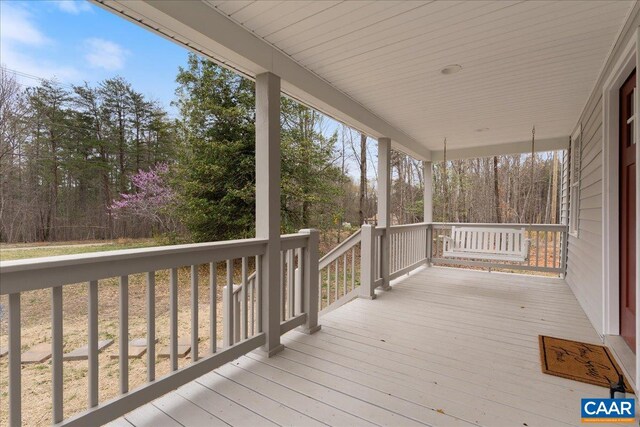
(585, 251)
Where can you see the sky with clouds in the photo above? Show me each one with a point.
(76, 41)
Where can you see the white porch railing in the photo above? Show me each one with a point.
(408, 248)
(339, 273)
(242, 333)
(308, 285)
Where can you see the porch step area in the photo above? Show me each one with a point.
(444, 347)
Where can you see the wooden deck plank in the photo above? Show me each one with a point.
(311, 407)
(444, 347)
(465, 385)
(274, 411)
(150, 416)
(384, 400)
(185, 412)
(223, 408)
(340, 399)
(120, 422)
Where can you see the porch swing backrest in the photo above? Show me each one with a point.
(500, 244)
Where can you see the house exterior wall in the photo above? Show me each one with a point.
(585, 250)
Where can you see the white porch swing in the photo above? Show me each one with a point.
(489, 243)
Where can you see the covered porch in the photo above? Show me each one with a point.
(444, 347)
(377, 331)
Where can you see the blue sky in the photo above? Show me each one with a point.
(75, 41)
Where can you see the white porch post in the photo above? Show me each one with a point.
(427, 172)
(268, 203)
(367, 267)
(384, 205)
(309, 282)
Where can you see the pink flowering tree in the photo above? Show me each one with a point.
(153, 199)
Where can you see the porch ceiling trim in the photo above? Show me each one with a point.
(548, 144)
(208, 32)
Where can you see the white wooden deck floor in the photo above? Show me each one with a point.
(445, 347)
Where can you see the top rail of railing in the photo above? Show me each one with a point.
(40, 273)
(532, 227)
(339, 250)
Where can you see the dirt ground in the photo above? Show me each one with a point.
(36, 328)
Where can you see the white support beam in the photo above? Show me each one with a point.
(427, 173)
(206, 31)
(384, 205)
(547, 144)
(268, 203)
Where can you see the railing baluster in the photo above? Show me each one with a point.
(173, 314)
(546, 244)
(229, 307)
(298, 295)
(353, 268)
(555, 247)
(328, 293)
(243, 302)
(336, 290)
(290, 282)
(213, 302)
(194, 313)
(15, 372)
(124, 334)
(252, 308)
(259, 292)
(93, 344)
(537, 248)
(151, 326)
(283, 295)
(320, 286)
(56, 353)
(344, 275)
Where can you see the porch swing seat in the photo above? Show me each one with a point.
(487, 243)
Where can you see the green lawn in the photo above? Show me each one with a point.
(14, 252)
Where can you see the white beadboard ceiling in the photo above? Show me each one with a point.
(523, 62)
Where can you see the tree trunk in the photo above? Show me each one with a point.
(496, 189)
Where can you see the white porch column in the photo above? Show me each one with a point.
(268, 203)
(427, 172)
(384, 205)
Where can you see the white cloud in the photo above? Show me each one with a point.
(16, 25)
(19, 34)
(105, 54)
(75, 7)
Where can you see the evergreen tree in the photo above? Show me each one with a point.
(216, 172)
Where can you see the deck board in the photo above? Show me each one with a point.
(444, 347)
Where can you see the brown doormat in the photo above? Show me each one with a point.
(579, 361)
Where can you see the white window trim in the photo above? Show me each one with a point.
(575, 166)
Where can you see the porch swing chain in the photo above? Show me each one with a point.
(533, 160)
(446, 179)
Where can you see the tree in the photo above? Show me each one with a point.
(215, 175)
(64, 152)
(153, 201)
